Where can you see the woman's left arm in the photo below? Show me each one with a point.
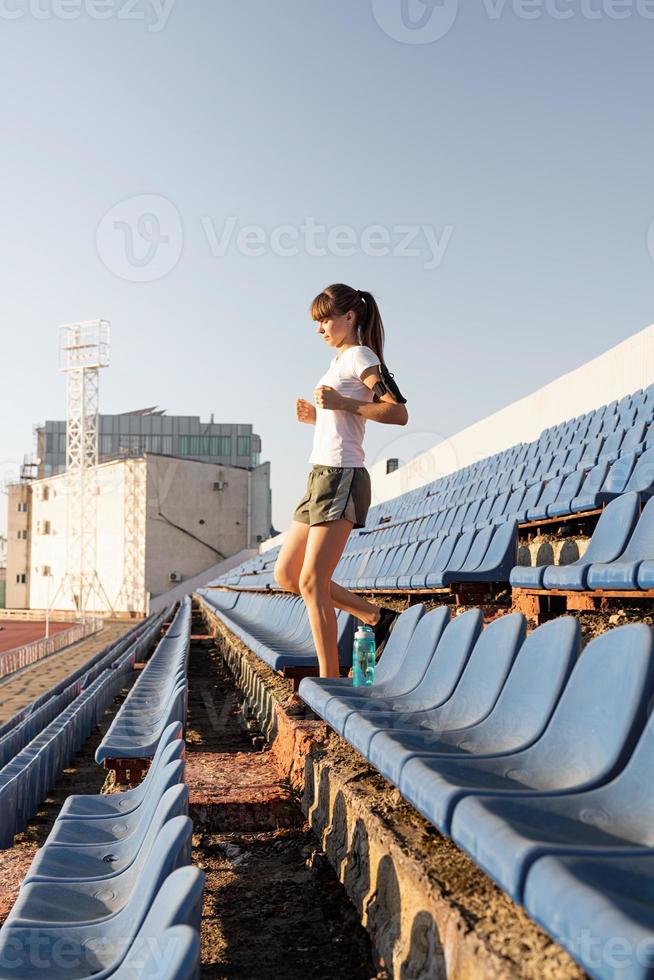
(387, 411)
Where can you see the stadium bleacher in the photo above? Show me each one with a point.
(40, 740)
(464, 527)
(533, 756)
(111, 892)
(158, 698)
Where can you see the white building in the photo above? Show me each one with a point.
(160, 520)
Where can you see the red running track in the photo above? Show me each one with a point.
(14, 635)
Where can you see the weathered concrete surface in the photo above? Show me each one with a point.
(238, 791)
(431, 912)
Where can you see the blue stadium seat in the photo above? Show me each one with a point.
(623, 572)
(82, 901)
(505, 836)
(171, 955)
(93, 806)
(467, 675)
(498, 558)
(115, 946)
(277, 629)
(523, 708)
(417, 665)
(93, 859)
(317, 691)
(588, 740)
(642, 477)
(600, 909)
(157, 698)
(614, 483)
(568, 490)
(435, 559)
(609, 538)
(114, 828)
(448, 656)
(548, 495)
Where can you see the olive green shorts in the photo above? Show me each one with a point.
(334, 492)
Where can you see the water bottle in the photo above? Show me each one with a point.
(363, 657)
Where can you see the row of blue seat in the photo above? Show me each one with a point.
(110, 894)
(276, 628)
(33, 770)
(619, 555)
(141, 632)
(158, 697)
(566, 435)
(25, 781)
(42, 711)
(439, 552)
(580, 491)
(526, 755)
(486, 555)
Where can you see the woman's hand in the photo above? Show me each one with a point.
(327, 397)
(305, 411)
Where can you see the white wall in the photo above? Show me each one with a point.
(18, 549)
(620, 371)
(260, 509)
(180, 492)
(50, 549)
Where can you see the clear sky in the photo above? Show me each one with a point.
(196, 170)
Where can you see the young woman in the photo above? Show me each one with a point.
(338, 489)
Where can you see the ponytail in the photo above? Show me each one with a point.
(338, 299)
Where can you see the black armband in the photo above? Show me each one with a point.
(387, 386)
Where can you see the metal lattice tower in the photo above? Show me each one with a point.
(84, 350)
(132, 595)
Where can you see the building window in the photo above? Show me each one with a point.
(22, 507)
(153, 444)
(45, 493)
(132, 445)
(189, 445)
(205, 445)
(243, 446)
(256, 457)
(106, 444)
(21, 579)
(21, 535)
(222, 445)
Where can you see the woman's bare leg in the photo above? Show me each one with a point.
(324, 547)
(289, 565)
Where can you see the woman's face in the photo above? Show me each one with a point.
(337, 329)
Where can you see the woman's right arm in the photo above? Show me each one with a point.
(305, 411)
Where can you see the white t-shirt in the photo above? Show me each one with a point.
(338, 436)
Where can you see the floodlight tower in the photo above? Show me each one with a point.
(83, 351)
